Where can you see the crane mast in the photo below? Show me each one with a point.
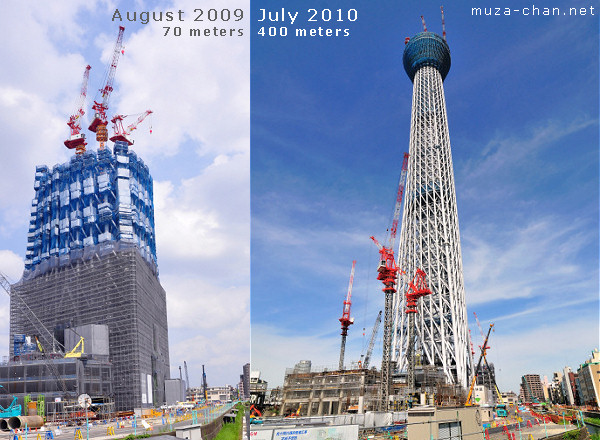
(398, 205)
(77, 139)
(187, 377)
(388, 275)
(346, 320)
(100, 121)
(372, 341)
(416, 289)
(204, 386)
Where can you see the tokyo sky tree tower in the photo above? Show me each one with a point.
(430, 238)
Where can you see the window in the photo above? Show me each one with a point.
(450, 431)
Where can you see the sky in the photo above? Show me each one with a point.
(198, 152)
(330, 122)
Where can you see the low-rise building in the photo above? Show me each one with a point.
(589, 380)
(258, 389)
(328, 392)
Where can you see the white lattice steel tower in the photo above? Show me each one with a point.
(430, 237)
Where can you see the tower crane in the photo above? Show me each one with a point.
(100, 121)
(388, 275)
(346, 320)
(187, 377)
(416, 289)
(204, 386)
(121, 134)
(372, 341)
(77, 139)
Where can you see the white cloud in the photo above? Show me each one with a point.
(11, 265)
(518, 260)
(209, 325)
(273, 352)
(541, 350)
(197, 86)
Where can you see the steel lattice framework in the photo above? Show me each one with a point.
(430, 237)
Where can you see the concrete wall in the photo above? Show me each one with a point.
(424, 422)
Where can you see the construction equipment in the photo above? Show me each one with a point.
(475, 373)
(12, 410)
(121, 134)
(416, 289)
(187, 377)
(204, 384)
(490, 372)
(77, 139)
(480, 330)
(37, 324)
(346, 320)
(100, 121)
(365, 364)
(77, 354)
(388, 275)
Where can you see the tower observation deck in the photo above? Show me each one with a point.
(430, 238)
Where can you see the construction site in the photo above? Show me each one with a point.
(88, 317)
(429, 363)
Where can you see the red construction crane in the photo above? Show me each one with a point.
(346, 320)
(121, 134)
(100, 121)
(416, 289)
(388, 274)
(77, 139)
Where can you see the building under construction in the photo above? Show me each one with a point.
(91, 260)
(323, 392)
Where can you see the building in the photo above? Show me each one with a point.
(569, 386)
(244, 385)
(318, 393)
(531, 386)
(510, 398)
(220, 394)
(487, 376)
(430, 238)
(258, 389)
(555, 388)
(589, 380)
(447, 423)
(174, 391)
(91, 260)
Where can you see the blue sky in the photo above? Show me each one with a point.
(198, 154)
(330, 121)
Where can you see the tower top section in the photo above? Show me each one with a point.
(426, 49)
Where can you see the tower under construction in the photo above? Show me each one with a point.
(91, 260)
(430, 238)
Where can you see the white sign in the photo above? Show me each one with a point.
(341, 432)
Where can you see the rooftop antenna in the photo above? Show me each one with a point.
(443, 24)
(424, 25)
